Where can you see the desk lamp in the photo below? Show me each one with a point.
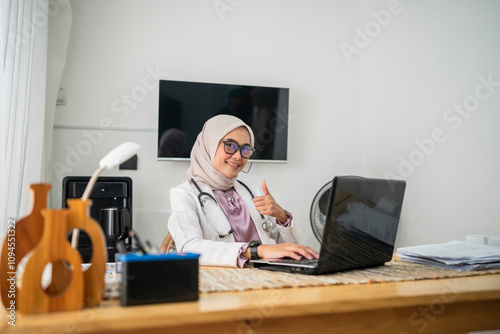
(117, 156)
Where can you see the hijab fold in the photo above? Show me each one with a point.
(202, 168)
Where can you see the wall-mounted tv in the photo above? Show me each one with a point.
(184, 107)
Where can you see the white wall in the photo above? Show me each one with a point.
(424, 63)
(346, 117)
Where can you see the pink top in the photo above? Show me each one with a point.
(236, 211)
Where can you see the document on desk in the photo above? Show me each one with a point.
(456, 255)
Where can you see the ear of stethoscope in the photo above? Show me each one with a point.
(266, 224)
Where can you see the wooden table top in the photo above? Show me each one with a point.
(271, 310)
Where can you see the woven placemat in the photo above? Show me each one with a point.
(236, 279)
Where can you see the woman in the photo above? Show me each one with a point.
(219, 217)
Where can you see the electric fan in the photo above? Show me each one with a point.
(319, 209)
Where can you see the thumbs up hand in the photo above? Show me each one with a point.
(266, 205)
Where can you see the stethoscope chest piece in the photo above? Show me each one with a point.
(267, 225)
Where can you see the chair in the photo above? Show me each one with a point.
(168, 244)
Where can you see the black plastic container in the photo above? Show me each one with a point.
(153, 279)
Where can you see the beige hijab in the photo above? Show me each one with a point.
(202, 168)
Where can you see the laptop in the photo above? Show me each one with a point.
(361, 223)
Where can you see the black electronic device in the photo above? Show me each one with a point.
(111, 207)
(184, 107)
(319, 208)
(360, 226)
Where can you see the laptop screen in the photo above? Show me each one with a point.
(361, 223)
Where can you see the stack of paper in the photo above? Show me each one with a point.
(456, 255)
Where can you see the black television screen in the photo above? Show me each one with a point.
(184, 107)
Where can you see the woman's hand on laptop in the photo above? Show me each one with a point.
(287, 249)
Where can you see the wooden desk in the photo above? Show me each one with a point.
(428, 306)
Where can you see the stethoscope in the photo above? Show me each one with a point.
(267, 225)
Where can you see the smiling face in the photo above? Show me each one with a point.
(227, 164)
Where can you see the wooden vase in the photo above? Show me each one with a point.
(53, 248)
(22, 237)
(79, 217)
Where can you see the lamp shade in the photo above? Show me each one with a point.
(119, 155)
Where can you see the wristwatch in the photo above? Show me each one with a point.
(253, 249)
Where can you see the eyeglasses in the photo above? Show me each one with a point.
(231, 147)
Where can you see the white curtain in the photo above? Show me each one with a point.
(29, 88)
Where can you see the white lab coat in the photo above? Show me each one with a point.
(190, 228)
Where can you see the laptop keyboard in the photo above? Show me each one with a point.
(301, 261)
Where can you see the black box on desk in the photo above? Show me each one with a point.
(152, 279)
